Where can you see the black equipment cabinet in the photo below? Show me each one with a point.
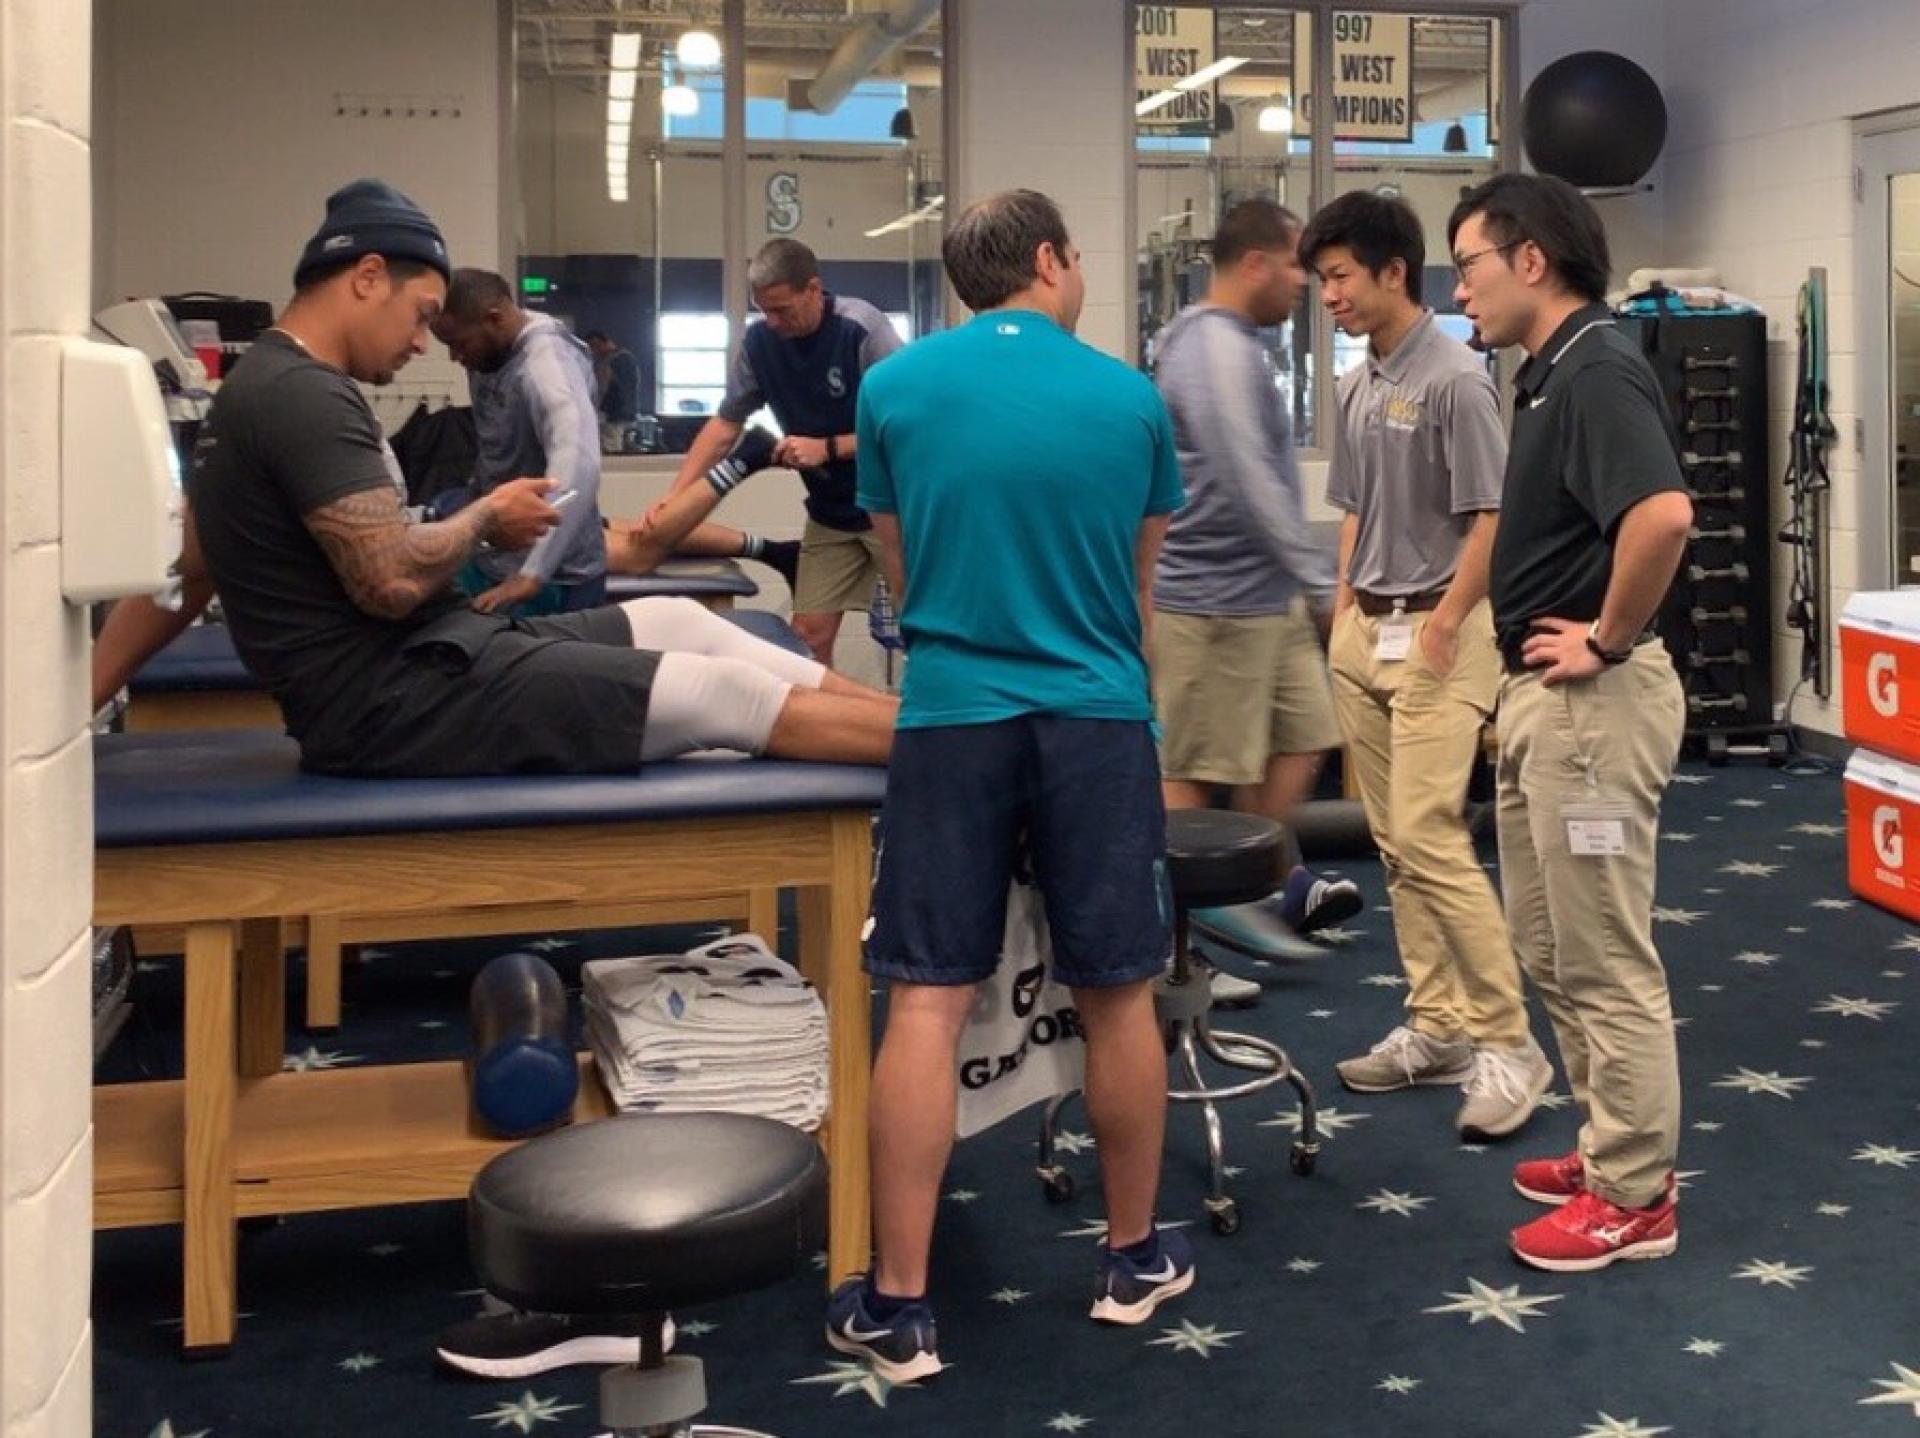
(1717, 620)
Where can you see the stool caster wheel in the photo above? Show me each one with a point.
(1777, 750)
(1717, 750)
(1058, 1185)
(1303, 1160)
(1224, 1216)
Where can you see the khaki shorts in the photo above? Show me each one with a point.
(837, 570)
(1234, 690)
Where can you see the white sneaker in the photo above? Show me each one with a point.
(1504, 1088)
(1407, 1058)
(1230, 991)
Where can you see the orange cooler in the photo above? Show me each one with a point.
(1880, 672)
(1883, 832)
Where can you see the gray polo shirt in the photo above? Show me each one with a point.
(1418, 451)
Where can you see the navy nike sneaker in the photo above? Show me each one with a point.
(1128, 1292)
(901, 1350)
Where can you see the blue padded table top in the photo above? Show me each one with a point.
(239, 785)
(202, 658)
(694, 578)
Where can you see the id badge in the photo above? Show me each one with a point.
(1396, 639)
(1596, 825)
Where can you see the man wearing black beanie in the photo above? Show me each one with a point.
(345, 608)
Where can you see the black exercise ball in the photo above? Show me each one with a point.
(1595, 119)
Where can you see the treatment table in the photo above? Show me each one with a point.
(198, 682)
(222, 834)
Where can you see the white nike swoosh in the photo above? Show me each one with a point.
(1170, 1271)
(858, 1337)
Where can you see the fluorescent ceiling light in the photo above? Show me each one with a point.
(620, 112)
(680, 100)
(620, 84)
(626, 50)
(1276, 119)
(1211, 73)
(698, 50)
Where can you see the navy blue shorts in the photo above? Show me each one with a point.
(1077, 798)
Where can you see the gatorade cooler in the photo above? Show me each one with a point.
(1883, 832)
(1880, 672)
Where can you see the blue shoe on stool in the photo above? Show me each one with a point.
(900, 1349)
(1129, 1291)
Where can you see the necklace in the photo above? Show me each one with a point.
(302, 344)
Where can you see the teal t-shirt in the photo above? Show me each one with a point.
(1021, 463)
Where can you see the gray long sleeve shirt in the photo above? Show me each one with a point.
(535, 416)
(1241, 544)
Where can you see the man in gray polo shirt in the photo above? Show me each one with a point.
(1418, 459)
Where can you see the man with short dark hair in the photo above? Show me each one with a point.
(531, 386)
(1239, 679)
(1019, 482)
(1419, 452)
(619, 392)
(343, 605)
(804, 359)
(1593, 523)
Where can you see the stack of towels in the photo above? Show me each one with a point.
(728, 1028)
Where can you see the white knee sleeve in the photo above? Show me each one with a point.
(702, 702)
(686, 626)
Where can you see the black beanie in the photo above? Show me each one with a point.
(370, 217)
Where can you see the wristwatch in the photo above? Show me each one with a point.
(833, 449)
(1605, 656)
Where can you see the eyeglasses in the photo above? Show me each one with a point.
(1464, 263)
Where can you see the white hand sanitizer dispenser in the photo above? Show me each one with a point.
(121, 501)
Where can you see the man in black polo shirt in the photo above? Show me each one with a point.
(803, 359)
(1593, 521)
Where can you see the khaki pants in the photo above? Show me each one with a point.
(1583, 926)
(1411, 739)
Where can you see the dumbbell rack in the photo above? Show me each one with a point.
(1717, 619)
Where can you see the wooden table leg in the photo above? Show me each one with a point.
(763, 915)
(263, 997)
(323, 974)
(831, 921)
(211, 1081)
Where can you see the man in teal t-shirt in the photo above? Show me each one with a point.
(1019, 483)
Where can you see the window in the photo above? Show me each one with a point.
(692, 362)
(623, 175)
(1226, 110)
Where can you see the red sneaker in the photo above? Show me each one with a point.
(1551, 1180)
(1588, 1232)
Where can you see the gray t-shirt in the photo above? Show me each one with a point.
(288, 435)
(1240, 545)
(1418, 451)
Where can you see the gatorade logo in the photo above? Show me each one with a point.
(1883, 685)
(1887, 843)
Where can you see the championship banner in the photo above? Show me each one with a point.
(1171, 43)
(1372, 76)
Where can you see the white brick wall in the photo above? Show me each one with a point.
(46, 1169)
(1044, 93)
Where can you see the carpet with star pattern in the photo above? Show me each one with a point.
(1373, 1298)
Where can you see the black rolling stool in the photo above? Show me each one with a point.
(1215, 859)
(635, 1216)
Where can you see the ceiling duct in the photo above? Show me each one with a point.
(865, 46)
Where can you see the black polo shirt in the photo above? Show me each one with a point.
(1591, 439)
